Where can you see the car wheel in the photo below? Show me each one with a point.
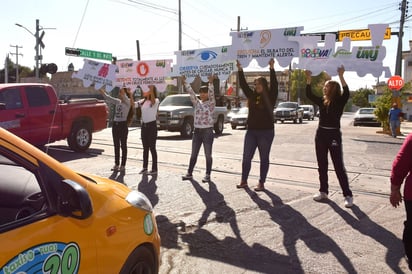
(187, 128)
(219, 125)
(233, 126)
(80, 137)
(141, 260)
(282, 121)
(300, 120)
(295, 121)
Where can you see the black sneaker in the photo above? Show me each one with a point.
(187, 177)
(206, 179)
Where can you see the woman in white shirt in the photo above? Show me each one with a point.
(149, 106)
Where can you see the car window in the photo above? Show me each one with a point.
(177, 101)
(37, 96)
(287, 105)
(20, 192)
(11, 98)
(366, 111)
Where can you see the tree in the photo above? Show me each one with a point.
(298, 85)
(360, 98)
(383, 105)
(11, 67)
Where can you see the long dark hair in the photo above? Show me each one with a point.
(130, 114)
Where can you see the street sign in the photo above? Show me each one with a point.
(88, 53)
(360, 34)
(395, 82)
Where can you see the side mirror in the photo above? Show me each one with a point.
(2, 106)
(74, 201)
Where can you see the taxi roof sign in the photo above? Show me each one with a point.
(360, 34)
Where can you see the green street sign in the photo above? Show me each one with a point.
(88, 53)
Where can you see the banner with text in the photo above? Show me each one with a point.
(203, 63)
(262, 45)
(97, 73)
(327, 57)
(141, 74)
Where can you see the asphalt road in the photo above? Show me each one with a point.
(216, 228)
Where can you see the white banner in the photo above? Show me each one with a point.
(262, 45)
(362, 59)
(97, 73)
(133, 74)
(203, 63)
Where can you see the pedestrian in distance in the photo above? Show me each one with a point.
(260, 125)
(123, 115)
(149, 106)
(203, 126)
(394, 119)
(328, 135)
(402, 173)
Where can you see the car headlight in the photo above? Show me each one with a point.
(139, 200)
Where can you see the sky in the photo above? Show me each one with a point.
(113, 26)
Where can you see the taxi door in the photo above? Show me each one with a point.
(33, 237)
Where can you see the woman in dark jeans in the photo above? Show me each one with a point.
(260, 125)
(149, 107)
(203, 123)
(123, 110)
(328, 135)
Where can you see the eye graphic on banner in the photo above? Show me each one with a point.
(203, 63)
(207, 55)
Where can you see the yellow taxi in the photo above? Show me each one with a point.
(53, 220)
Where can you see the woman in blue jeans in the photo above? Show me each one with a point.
(203, 123)
(260, 125)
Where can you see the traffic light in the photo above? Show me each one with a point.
(48, 68)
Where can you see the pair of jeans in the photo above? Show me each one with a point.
(407, 232)
(201, 136)
(330, 140)
(394, 124)
(262, 140)
(149, 136)
(120, 131)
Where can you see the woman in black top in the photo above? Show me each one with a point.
(260, 126)
(328, 135)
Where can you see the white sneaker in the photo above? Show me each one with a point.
(320, 196)
(348, 201)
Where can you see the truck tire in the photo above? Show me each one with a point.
(233, 126)
(80, 137)
(219, 125)
(300, 120)
(187, 128)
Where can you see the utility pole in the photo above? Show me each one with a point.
(17, 60)
(180, 25)
(403, 6)
(37, 57)
(6, 70)
(237, 77)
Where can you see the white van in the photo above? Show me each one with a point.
(308, 112)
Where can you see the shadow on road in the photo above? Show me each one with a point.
(295, 227)
(231, 250)
(64, 154)
(366, 226)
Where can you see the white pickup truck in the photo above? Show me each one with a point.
(176, 114)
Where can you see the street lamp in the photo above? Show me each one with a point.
(39, 42)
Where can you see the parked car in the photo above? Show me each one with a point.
(308, 112)
(239, 118)
(54, 220)
(34, 113)
(176, 113)
(229, 115)
(365, 116)
(288, 111)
